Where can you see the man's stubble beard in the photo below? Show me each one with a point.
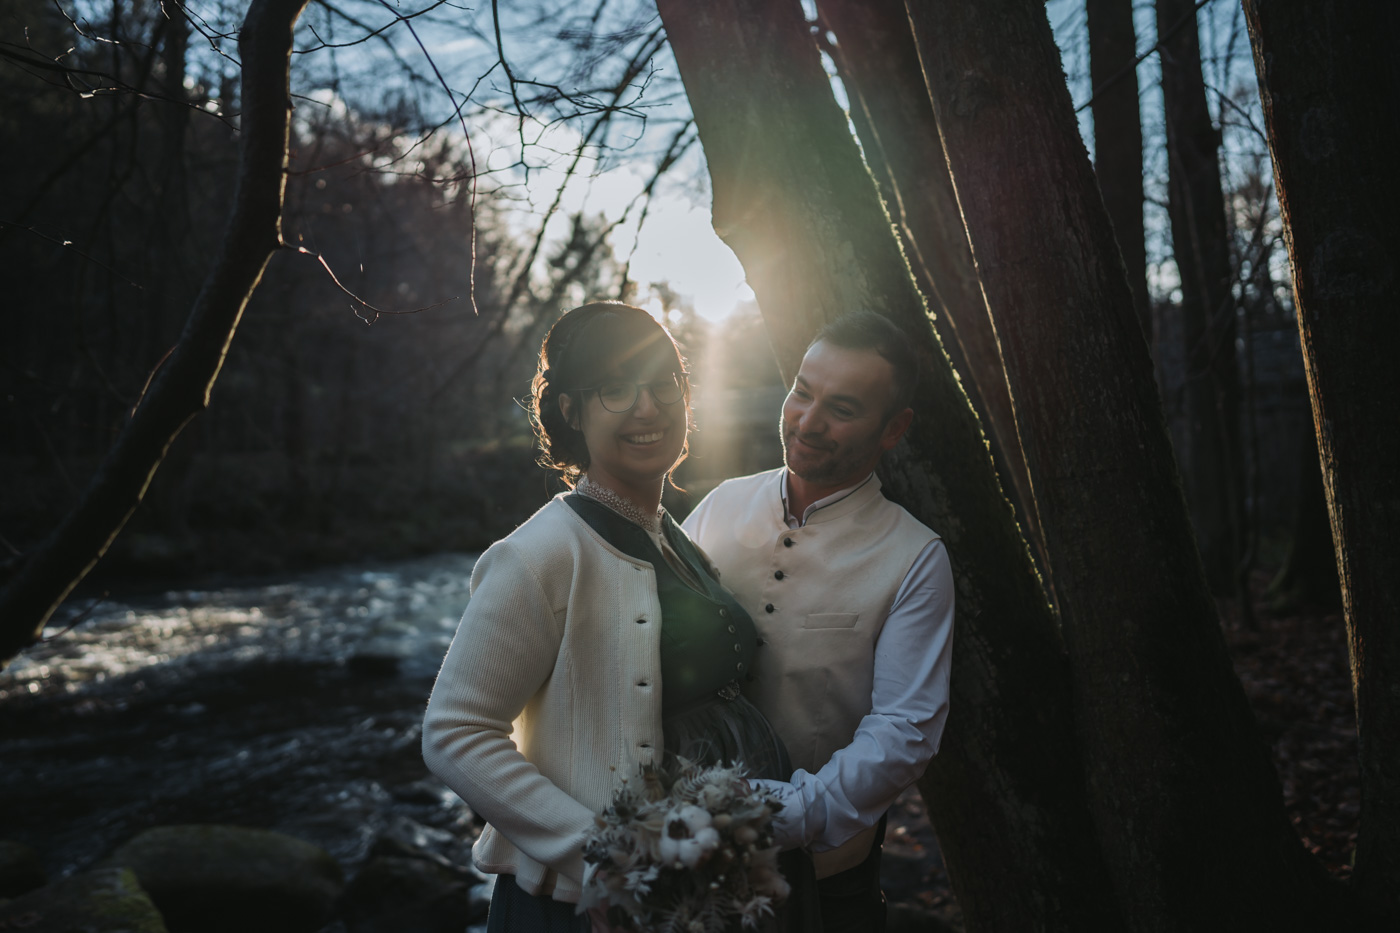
(838, 466)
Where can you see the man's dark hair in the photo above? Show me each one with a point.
(866, 330)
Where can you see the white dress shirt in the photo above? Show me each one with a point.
(908, 708)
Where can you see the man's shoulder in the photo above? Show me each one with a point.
(739, 486)
(913, 524)
(730, 501)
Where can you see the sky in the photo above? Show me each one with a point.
(676, 244)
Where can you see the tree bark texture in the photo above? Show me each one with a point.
(180, 390)
(880, 67)
(1185, 799)
(794, 201)
(1118, 138)
(1213, 463)
(1330, 86)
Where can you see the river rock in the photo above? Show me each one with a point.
(21, 870)
(231, 879)
(108, 900)
(403, 894)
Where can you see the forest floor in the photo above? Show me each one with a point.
(1297, 677)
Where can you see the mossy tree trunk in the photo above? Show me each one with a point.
(880, 67)
(1184, 796)
(1330, 85)
(794, 201)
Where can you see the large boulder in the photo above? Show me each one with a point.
(21, 870)
(107, 900)
(231, 879)
(402, 894)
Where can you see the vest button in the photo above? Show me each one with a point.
(787, 542)
(739, 666)
(724, 613)
(738, 649)
(778, 575)
(731, 630)
(768, 608)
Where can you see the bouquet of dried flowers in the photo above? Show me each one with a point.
(690, 852)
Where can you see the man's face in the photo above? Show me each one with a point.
(837, 418)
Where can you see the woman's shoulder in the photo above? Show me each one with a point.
(551, 531)
(556, 534)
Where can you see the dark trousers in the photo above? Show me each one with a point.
(851, 900)
(514, 911)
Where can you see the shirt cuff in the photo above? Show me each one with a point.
(798, 822)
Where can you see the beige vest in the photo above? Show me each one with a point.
(819, 595)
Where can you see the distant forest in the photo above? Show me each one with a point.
(336, 432)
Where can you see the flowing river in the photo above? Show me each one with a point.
(293, 704)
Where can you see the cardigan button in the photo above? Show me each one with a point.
(778, 575)
(643, 683)
(768, 608)
(787, 542)
(641, 621)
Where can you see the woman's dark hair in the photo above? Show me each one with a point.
(868, 330)
(591, 344)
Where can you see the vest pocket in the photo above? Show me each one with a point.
(831, 620)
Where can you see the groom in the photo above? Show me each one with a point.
(853, 598)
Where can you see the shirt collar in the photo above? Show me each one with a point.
(793, 522)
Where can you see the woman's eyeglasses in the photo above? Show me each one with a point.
(619, 397)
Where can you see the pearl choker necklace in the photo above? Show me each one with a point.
(618, 504)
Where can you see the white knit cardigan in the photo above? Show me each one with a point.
(561, 641)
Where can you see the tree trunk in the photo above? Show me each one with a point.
(1184, 796)
(1330, 85)
(880, 67)
(181, 389)
(1118, 138)
(795, 203)
(1202, 253)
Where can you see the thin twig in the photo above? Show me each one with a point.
(377, 312)
(68, 244)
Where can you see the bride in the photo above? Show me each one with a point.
(597, 638)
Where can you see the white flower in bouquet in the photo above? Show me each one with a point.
(687, 838)
(686, 852)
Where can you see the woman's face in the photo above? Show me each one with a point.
(636, 448)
